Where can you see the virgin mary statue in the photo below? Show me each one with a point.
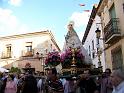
(72, 41)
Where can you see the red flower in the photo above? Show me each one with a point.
(53, 58)
(67, 57)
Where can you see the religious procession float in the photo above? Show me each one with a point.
(73, 59)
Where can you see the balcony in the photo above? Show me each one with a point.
(5, 55)
(112, 31)
(27, 53)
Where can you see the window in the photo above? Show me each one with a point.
(123, 7)
(89, 51)
(8, 50)
(29, 46)
(29, 50)
(117, 58)
(93, 53)
(92, 45)
(112, 12)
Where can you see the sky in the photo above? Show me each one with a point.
(25, 16)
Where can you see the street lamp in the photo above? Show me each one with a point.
(98, 34)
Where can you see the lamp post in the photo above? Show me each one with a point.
(98, 34)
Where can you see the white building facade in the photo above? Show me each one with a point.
(90, 41)
(112, 14)
(19, 50)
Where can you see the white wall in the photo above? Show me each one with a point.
(18, 45)
(92, 36)
(40, 43)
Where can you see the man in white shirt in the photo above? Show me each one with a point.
(117, 78)
(40, 85)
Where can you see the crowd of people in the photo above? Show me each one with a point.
(108, 82)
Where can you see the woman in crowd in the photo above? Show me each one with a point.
(11, 86)
(106, 85)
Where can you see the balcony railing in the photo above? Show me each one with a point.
(6, 55)
(27, 53)
(112, 31)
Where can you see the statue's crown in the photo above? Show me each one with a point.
(71, 23)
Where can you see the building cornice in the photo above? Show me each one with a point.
(101, 6)
(18, 36)
(90, 22)
(54, 41)
(26, 35)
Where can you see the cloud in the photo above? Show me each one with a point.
(81, 34)
(9, 24)
(80, 19)
(15, 2)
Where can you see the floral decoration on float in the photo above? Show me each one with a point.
(53, 59)
(72, 53)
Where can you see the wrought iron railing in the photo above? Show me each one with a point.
(27, 53)
(6, 55)
(111, 28)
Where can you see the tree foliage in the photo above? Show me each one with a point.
(15, 69)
